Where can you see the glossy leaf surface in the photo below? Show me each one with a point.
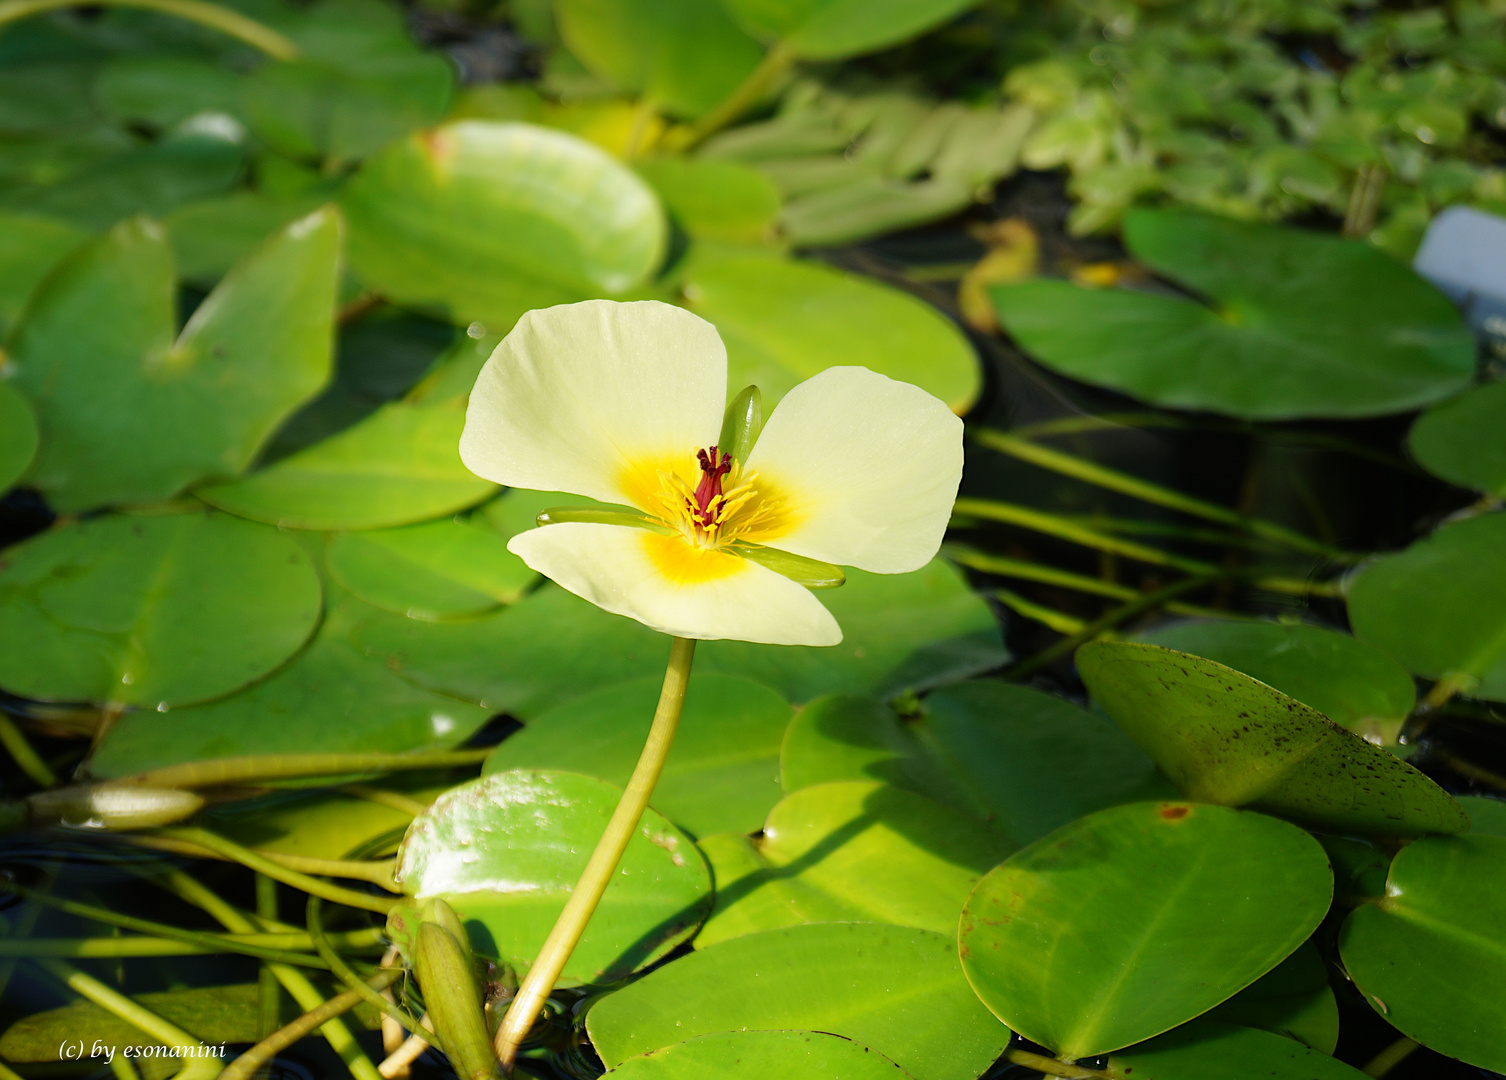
(1205, 1050)
(832, 29)
(1297, 324)
(790, 1055)
(1353, 684)
(151, 610)
(127, 413)
(1292, 999)
(398, 466)
(1430, 953)
(505, 850)
(1440, 606)
(18, 435)
(1223, 737)
(1463, 440)
(1009, 755)
(722, 774)
(485, 220)
(896, 990)
(1135, 919)
(849, 851)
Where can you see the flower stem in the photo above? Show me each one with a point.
(1390, 1057)
(603, 863)
(235, 771)
(24, 755)
(245, 1066)
(222, 19)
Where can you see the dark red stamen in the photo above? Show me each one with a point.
(714, 466)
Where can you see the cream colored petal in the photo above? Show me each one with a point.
(667, 584)
(580, 397)
(867, 469)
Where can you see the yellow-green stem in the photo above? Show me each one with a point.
(23, 753)
(1390, 1057)
(268, 995)
(376, 871)
(245, 1066)
(758, 83)
(224, 20)
(603, 863)
(219, 772)
(1050, 1066)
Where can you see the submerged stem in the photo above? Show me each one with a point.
(603, 864)
(245, 1066)
(1390, 1057)
(24, 755)
(222, 19)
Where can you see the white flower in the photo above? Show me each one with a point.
(623, 403)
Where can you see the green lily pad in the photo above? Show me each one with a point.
(1463, 440)
(398, 466)
(1015, 757)
(1356, 686)
(323, 824)
(790, 1055)
(152, 610)
(684, 55)
(1487, 816)
(18, 436)
(209, 235)
(437, 570)
(902, 631)
(160, 91)
(714, 200)
(130, 415)
(832, 29)
(1440, 606)
(1430, 954)
(1206, 1050)
(331, 698)
(485, 220)
(1223, 737)
(722, 774)
(1135, 919)
(1298, 324)
(849, 851)
(784, 321)
(897, 990)
(505, 850)
(1292, 999)
(29, 248)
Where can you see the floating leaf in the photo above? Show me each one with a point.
(29, 247)
(505, 851)
(714, 200)
(1292, 999)
(1022, 760)
(1487, 816)
(152, 610)
(1205, 1050)
(398, 466)
(130, 415)
(784, 321)
(330, 699)
(722, 774)
(1298, 324)
(833, 29)
(18, 436)
(1463, 440)
(160, 91)
(897, 990)
(1430, 954)
(1138, 918)
(1354, 685)
(686, 56)
(437, 570)
(1223, 737)
(208, 236)
(850, 851)
(789, 1055)
(485, 220)
(902, 631)
(325, 824)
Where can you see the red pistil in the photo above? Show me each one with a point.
(708, 493)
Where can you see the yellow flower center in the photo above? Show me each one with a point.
(721, 504)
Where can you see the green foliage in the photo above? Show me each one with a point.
(1463, 440)
(795, 1055)
(1204, 1050)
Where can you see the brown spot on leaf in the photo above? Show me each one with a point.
(1171, 812)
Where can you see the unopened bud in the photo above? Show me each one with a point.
(447, 978)
(112, 806)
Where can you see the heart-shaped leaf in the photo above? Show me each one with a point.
(897, 990)
(486, 220)
(1351, 683)
(398, 466)
(832, 29)
(1298, 324)
(1009, 755)
(1440, 606)
(152, 611)
(505, 851)
(849, 851)
(130, 415)
(1430, 954)
(784, 321)
(1223, 737)
(1463, 439)
(789, 1055)
(1205, 1050)
(1135, 919)
(722, 774)
(18, 436)
(331, 698)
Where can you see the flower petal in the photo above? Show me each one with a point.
(674, 587)
(583, 397)
(867, 468)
